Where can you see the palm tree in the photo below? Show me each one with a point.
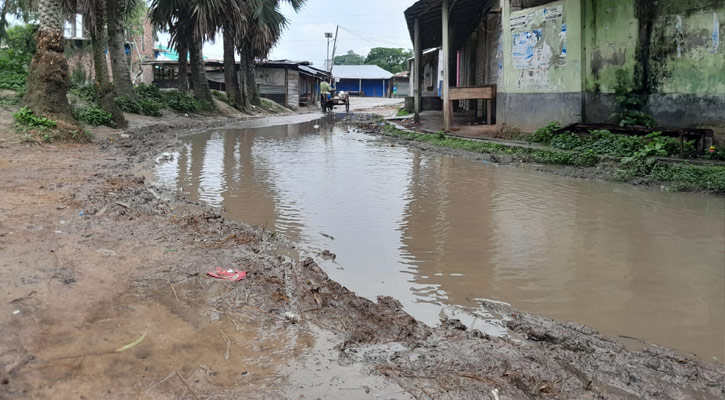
(48, 76)
(193, 22)
(94, 20)
(116, 11)
(265, 24)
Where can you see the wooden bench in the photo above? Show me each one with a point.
(485, 92)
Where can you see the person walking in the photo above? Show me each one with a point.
(325, 94)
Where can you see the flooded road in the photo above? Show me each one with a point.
(440, 233)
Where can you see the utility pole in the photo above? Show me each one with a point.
(328, 35)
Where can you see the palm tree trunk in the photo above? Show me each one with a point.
(48, 76)
(100, 65)
(254, 97)
(245, 102)
(198, 71)
(183, 49)
(119, 62)
(231, 80)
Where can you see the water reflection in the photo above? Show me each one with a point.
(433, 230)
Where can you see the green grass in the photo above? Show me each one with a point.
(679, 177)
(402, 113)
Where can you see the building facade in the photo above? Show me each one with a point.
(565, 60)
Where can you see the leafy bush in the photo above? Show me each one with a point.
(184, 103)
(150, 107)
(567, 141)
(717, 154)
(93, 115)
(26, 118)
(630, 103)
(149, 92)
(13, 69)
(127, 104)
(545, 134)
(605, 142)
(402, 112)
(87, 93)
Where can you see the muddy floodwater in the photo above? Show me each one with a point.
(439, 233)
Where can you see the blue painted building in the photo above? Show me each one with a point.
(362, 80)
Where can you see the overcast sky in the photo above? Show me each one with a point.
(364, 24)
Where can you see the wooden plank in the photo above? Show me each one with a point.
(468, 93)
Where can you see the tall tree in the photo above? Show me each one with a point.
(94, 20)
(351, 58)
(116, 10)
(48, 76)
(193, 22)
(389, 59)
(264, 27)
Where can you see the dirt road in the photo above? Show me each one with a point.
(104, 295)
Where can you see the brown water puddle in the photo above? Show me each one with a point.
(439, 233)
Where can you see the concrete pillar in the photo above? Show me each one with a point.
(417, 71)
(446, 68)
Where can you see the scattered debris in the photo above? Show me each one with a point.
(232, 275)
(131, 345)
(292, 317)
(327, 255)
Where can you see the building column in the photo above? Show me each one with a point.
(446, 68)
(417, 70)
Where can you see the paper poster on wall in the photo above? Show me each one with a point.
(524, 49)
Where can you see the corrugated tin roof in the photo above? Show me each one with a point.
(360, 72)
(464, 17)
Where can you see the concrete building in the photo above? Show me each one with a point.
(362, 80)
(534, 61)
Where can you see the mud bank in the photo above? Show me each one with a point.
(688, 177)
(96, 257)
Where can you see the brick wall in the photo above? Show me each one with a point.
(142, 45)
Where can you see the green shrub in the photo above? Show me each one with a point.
(149, 92)
(718, 154)
(13, 69)
(127, 104)
(184, 103)
(93, 115)
(605, 142)
(545, 134)
(150, 107)
(26, 118)
(567, 141)
(402, 112)
(87, 93)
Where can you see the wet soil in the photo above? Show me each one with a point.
(103, 295)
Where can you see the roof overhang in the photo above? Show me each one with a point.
(464, 17)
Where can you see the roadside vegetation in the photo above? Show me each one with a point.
(630, 158)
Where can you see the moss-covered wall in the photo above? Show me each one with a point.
(667, 47)
(611, 33)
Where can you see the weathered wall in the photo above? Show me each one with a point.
(672, 52)
(542, 65)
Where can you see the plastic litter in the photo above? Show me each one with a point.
(316, 127)
(82, 213)
(292, 317)
(16, 312)
(130, 345)
(232, 275)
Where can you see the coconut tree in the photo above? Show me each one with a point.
(94, 20)
(193, 22)
(116, 11)
(48, 75)
(264, 28)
